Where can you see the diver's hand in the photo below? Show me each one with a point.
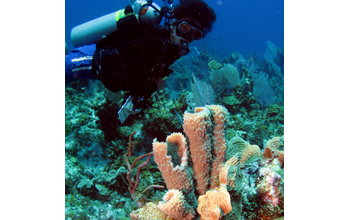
(130, 108)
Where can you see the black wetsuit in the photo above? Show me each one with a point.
(134, 56)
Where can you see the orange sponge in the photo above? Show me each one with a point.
(214, 204)
(175, 205)
(171, 158)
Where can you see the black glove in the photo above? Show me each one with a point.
(139, 103)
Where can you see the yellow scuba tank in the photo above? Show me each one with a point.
(93, 31)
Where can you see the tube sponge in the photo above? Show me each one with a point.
(171, 158)
(205, 130)
(219, 142)
(198, 127)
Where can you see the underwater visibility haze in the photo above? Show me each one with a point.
(210, 145)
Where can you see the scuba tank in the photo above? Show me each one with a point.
(136, 5)
(93, 31)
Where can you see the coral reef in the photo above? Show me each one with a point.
(270, 191)
(159, 119)
(227, 164)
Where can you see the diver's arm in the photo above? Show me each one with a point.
(78, 64)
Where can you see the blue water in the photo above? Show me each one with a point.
(241, 26)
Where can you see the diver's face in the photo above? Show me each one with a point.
(185, 31)
(177, 39)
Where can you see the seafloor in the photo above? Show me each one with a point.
(98, 184)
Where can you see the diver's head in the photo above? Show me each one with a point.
(198, 14)
(193, 20)
(185, 30)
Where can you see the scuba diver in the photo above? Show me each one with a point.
(137, 55)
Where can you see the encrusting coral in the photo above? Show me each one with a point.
(270, 183)
(268, 187)
(228, 171)
(270, 191)
(150, 211)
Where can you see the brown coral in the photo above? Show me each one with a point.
(281, 159)
(267, 154)
(250, 154)
(273, 143)
(272, 151)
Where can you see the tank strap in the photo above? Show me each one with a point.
(123, 13)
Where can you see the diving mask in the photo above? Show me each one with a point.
(188, 31)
